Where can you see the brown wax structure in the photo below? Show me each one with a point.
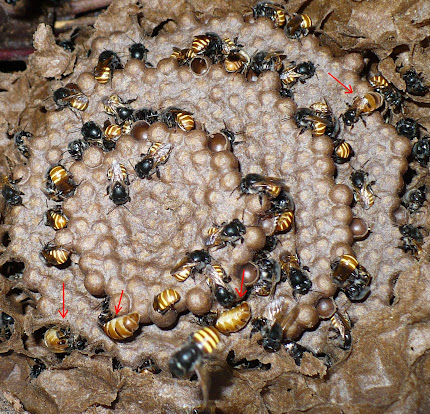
(132, 248)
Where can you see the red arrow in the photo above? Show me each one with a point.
(349, 90)
(64, 313)
(118, 308)
(241, 286)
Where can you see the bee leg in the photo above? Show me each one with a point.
(157, 171)
(204, 380)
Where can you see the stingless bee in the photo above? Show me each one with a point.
(233, 320)
(269, 275)
(296, 72)
(217, 281)
(421, 151)
(6, 326)
(55, 218)
(409, 128)
(412, 240)
(274, 12)
(54, 255)
(71, 97)
(166, 300)
(194, 261)
(157, 155)
(59, 183)
(299, 280)
(392, 96)
(122, 327)
(148, 365)
(61, 340)
(116, 106)
(237, 61)
(112, 132)
(19, 140)
(226, 233)
(118, 186)
(298, 26)
(108, 61)
(414, 198)
(37, 368)
(175, 117)
(76, 148)
(190, 356)
(366, 105)
(245, 363)
(414, 83)
(319, 117)
(10, 191)
(342, 325)
(263, 61)
(209, 44)
(351, 277)
(259, 184)
(342, 152)
(363, 192)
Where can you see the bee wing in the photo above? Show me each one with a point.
(160, 155)
(211, 273)
(204, 380)
(182, 264)
(274, 308)
(211, 239)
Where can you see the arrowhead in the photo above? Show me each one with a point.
(63, 314)
(240, 293)
(117, 309)
(349, 89)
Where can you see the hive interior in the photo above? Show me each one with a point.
(132, 248)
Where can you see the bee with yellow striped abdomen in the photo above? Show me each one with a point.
(260, 184)
(157, 155)
(108, 61)
(274, 12)
(122, 327)
(59, 183)
(233, 320)
(363, 192)
(226, 233)
(166, 300)
(54, 255)
(194, 261)
(55, 218)
(298, 279)
(298, 26)
(72, 97)
(366, 105)
(61, 340)
(342, 152)
(342, 324)
(175, 117)
(118, 183)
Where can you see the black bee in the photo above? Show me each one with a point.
(146, 114)
(224, 295)
(342, 324)
(363, 192)
(408, 128)
(226, 233)
(148, 365)
(263, 61)
(19, 140)
(412, 240)
(157, 155)
(114, 105)
(91, 132)
(118, 186)
(414, 83)
(194, 261)
(6, 326)
(76, 148)
(245, 363)
(296, 351)
(414, 198)
(71, 97)
(259, 184)
(274, 12)
(421, 151)
(68, 44)
(282, 202)
(298, 26)
(107, 63)
(10, 191)
(299, 281)
(37, 368)
(269, 275)
(138, 51)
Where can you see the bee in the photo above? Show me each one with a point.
(6, 326)
(274, 327)
(283, 222)
(363, 192)
(263, 61)
(122, 327)
(281, 203)
(59, 183)
(107, 63)
(298, 26)
(391, 94)
(72, 97)
(148, 365)
(37, 368)
(234, 320)
(379, 82)
(55, 218)
(294, 73)
(157, 155)
(209, 44)
(342, 324)
(61, 340)
(414, 83)
(189, 358)
(54, 255)
(414, 198)
(181, 55)
(319, 118)
(76, 148)
(112, 132)
(10, 191)
(226, 233)
(342, 151)
(412, 240)
(217, 281)
(146, 114)
(194, 261)
(299, 281)
(114, 105)
(366, 105)
(269, 275)
(274, 12)
(245, 363)
(91, 133)
(237, 61)
(19, 140)
(118, 186)
(175, 117)
(409, 128)
(351, 277)
(259, 184)
(421, 151)
(138, 51)
(166, 300)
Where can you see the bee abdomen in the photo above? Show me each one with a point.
(185, 121)
(379, 82)
(319, 128)
(56, 220)
(55, 255)
(113, 131)
(284, 222)
(182, 274)
(207, 339)
(234, 319)
(122, 327)
(102, 75)
(166, 299)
